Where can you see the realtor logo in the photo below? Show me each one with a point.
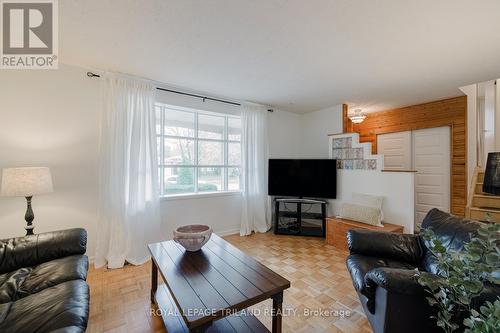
(29, 32)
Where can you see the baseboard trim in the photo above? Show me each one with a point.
(235, 231)
(228, 232)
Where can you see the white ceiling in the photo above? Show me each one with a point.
(297, 55)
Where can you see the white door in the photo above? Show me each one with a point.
(396, 148)
(431, 160)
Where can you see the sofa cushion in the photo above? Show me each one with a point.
(26, 281)
(54, 272)
(358, 265)
(10, 283)
(62, 308)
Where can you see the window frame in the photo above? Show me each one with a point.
(196, 140)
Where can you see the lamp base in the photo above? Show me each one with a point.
(29, 230)
(29, 217)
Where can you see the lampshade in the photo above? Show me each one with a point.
(491, 182)
(26, 182)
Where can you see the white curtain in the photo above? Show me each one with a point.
(255, 213)
(129, 213)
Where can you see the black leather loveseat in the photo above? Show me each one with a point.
(42, 283)
(382, 267)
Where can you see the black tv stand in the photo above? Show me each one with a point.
(301, 217)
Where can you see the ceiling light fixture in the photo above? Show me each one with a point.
(358, 116)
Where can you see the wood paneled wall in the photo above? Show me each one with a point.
(449, 112)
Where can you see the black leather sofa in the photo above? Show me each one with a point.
(42, 283)
(382, 267)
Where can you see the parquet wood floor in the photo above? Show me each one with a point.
(321, 298)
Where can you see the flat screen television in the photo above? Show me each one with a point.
(312, 178)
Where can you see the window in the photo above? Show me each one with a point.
(198, 151)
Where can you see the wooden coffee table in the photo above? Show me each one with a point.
(204, 290)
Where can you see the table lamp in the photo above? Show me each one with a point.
(26, 182)
(491, 182)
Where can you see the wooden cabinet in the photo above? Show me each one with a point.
(336, 230)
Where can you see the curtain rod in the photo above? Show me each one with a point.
(204, 98)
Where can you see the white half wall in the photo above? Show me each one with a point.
(316, 126)
(397, 188)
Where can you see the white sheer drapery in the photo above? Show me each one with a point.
(129, 216)
(255, 212)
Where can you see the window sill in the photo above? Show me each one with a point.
(199, 195)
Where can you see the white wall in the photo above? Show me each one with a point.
(497, 115)
(395, 187)
(489, 120)
(315, 129)
(221, 212)
(50, 118)
(285, 134)
(471, 92)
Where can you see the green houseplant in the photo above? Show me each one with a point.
(460, 278)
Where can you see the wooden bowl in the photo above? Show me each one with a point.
(192, 237)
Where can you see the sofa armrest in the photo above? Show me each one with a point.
(33, 250)
(402, 281)
(394, 280)
(402, 247)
